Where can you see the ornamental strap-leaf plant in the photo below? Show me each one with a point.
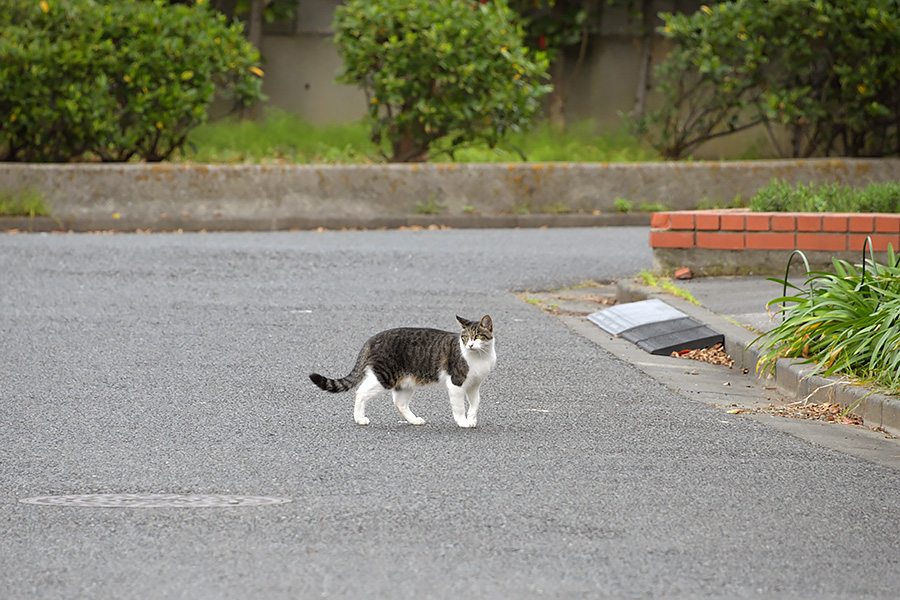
(439, 74)
(844, 322)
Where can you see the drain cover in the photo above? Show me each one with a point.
(656, 327)
(153, 500)
(622, 317)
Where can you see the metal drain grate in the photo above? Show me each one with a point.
(154, 500)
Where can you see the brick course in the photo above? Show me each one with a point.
(736, 230)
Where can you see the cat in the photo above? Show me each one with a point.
(399, 360)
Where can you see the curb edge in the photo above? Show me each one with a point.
(793, 378)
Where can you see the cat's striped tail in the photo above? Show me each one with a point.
(343, 384)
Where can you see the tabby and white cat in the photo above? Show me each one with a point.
(399, 360)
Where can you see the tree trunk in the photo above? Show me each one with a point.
(593, 13)
(254, 33)
(254, 36)
(646, 58)
(226, 7)
(411, 146)
(556, 106)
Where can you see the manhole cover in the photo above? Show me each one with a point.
(154, 500)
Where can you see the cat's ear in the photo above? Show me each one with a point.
(464, 322)
(487, 323)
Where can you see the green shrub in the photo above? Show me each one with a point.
(114, 80)
(449, 70)
(828, 71)
(780, 196)
(846, 322)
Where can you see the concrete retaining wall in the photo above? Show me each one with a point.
(275, 196)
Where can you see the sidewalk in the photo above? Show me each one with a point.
(736, 307)
(743, 300)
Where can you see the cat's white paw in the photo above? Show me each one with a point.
(473, 420)
(466, 423)
(362, 421)
(416, 421)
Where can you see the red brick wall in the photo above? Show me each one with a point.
(739, 230)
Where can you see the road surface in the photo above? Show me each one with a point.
(177, 364)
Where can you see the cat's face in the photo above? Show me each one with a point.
(476, 336)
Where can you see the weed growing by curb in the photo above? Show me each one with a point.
(429, 207)
(622, 205)
(23, 203)
(651, 280)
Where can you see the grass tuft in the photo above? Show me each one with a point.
(429, 207)
(649, 279)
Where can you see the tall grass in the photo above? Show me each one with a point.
(844, 322)
(284, 137)
(578, 142)
(279, 136)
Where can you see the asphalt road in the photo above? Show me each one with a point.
(178, 364)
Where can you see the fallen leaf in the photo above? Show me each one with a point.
(715, 355)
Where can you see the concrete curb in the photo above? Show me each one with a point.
(31, 225)
(792, 378)
(192, 223)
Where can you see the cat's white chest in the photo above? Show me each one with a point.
(480, 364)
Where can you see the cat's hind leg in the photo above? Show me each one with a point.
(368, 389)
(401, 401)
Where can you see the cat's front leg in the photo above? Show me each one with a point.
(458, 404)
(474, 399)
